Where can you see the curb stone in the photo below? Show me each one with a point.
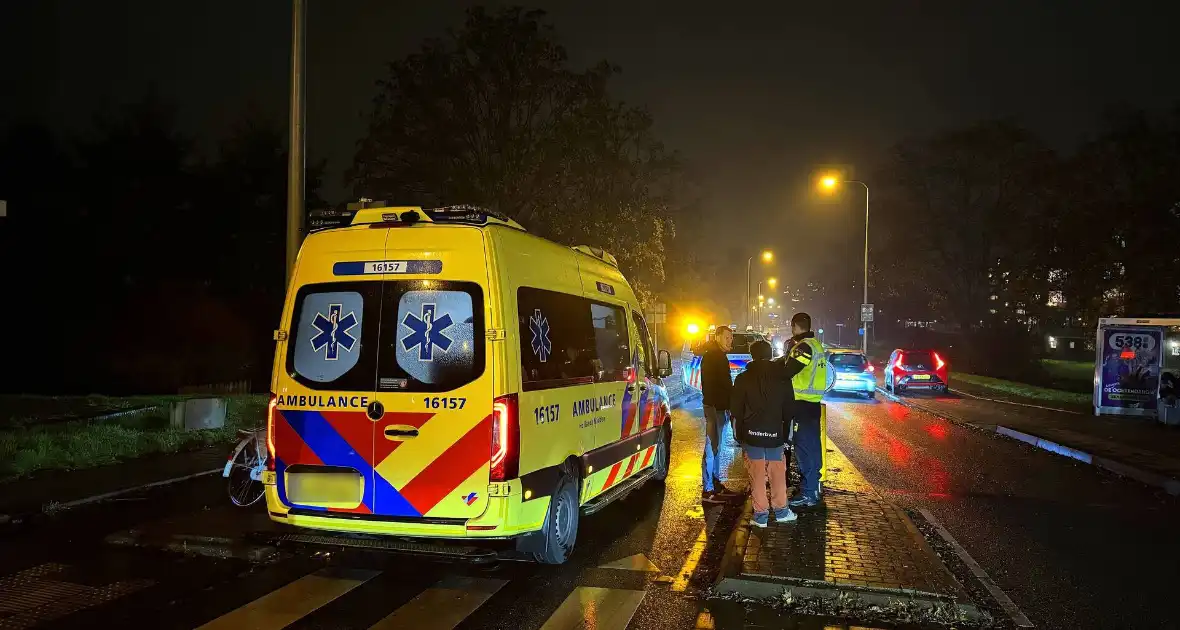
(196, 545)
(785, 591)
(1147, 477)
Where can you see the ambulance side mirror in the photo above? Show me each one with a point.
(664, 364)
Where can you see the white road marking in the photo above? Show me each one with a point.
(444, 605)
(1000, 596)
(593, 608)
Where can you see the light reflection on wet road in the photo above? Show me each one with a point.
(1071, 545)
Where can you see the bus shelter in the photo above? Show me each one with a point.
(1137, 366)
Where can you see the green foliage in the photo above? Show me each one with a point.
(955, 204)
(491, 114)
(987, 211)
(1023, 390)
(85, 444)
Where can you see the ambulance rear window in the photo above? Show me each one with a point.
(404, 335)
(334, 334)
(432, 336)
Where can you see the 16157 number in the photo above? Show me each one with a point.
(443, 402)
(546, 414)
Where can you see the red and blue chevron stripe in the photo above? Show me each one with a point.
(331, 439)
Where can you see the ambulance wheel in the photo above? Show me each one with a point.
(663, 454)
(561, 524)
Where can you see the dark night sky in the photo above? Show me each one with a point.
(752, 93)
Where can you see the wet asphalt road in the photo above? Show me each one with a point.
(62, 574)
(1071, 545)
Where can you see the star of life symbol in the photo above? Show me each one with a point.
(427, 332)
(332, 332)
(539, 326)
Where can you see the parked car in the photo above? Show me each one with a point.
(854, 373)
(912, 368)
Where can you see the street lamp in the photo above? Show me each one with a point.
(829, 183)
(771, 282)
(295, 142)
(767, 256)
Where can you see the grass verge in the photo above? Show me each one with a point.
(1072, 375)
(1023, 390)
(77, 444)
(26, 411)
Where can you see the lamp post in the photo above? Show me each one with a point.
(295, 160)
(766, 256)
(830, 184)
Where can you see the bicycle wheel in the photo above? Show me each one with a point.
(243, 490)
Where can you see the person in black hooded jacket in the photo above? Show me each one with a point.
(761, 406)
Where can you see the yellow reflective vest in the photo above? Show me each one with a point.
(814, 380)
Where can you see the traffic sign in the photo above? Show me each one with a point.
(657, 318)
(658, 307)
(866, 312)
(860, 331)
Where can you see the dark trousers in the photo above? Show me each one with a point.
(808, 450)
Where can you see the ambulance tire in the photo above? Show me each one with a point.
(663, 457)
(561, 524)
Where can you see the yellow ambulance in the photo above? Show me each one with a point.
(442, 373)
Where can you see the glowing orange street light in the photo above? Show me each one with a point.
(767, 257)
(828, 184)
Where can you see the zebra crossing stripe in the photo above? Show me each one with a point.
(593, 607)
(294, 601)
(442, 606)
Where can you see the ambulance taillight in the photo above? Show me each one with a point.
(505, 462)
(270, 432)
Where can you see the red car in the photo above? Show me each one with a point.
(916, 369)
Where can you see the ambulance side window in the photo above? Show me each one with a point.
(557, 347)
(333, 337)
(612, 340)
(646, 348)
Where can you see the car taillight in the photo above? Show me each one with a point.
(900, 359)
(270, 432)
(505, 463)
(938, 362)
(869, 368)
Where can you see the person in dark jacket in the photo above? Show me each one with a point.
(761, 406)
(716, 386)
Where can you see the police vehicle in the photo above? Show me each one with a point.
(739, 355)
(443, 374)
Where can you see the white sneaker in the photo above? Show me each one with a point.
(788, 517)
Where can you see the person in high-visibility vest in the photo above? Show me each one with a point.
(807, 367)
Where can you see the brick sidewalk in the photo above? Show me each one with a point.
(856, 538)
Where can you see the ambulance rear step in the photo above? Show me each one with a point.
(388, 545)
(617, 492)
